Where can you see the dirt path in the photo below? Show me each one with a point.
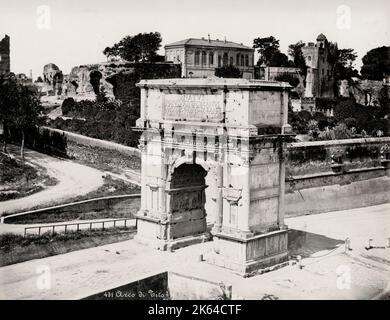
(73, 180)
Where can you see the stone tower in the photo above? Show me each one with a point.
(319, 79)
(212, 154)
(5, 55)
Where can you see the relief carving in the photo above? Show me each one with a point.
(192, 107)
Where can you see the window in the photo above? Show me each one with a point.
(242, 60)
(211, 58)
(197, 54)
(246, 61)
(204, 57)
(225, 59)
(238, 59)
(219, 61)
(231, 61)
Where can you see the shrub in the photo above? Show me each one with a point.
(304, 115)
(68, 106)
(341, 131)
(228, 72)
(287, 77)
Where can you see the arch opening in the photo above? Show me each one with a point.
(95, 77)
(187, 200)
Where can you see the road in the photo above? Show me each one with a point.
(81, 273)
(73, 180)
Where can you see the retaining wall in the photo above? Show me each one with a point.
(120, 206)
(324, 176)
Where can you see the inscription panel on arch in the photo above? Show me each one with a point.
(193, 107)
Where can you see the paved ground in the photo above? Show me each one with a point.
(73, 180)
(320, 237)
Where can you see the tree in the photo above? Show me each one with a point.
(344, 64)
(8, 92)
(270, 55)
(26, 112)
(376, 63)
(142, 47)
(295, 52)
(228, 72)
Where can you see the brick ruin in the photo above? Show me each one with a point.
(117, 80)
(5, 55)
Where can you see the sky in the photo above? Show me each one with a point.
(74, 32)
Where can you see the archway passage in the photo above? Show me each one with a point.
(95, 77)
(187, 201)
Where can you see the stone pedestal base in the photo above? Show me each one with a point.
(248, 256)
(154, 234)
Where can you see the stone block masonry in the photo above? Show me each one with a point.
(203, 150)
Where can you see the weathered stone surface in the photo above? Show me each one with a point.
(366, 92)
(319, 78)
(202, 156)
(5, 55)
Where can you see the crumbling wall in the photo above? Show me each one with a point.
(115, 79)
(5, 55)
(52, 80)
(365, 92)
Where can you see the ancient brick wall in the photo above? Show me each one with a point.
(5, 55)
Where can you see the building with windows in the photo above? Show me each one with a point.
(200, 57)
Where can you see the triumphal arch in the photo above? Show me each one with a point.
(212, 165)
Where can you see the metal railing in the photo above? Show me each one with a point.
(112, 223)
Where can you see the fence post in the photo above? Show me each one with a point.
(39, 231)
(66, 227)
(78, 227)
(90, 226)
(103, 225)
(114, 223)
(25, 231)
(53, 229)
(125, 222)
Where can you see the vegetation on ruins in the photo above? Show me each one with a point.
(111, 119)
(142, 47)
(104, 119)
(350, 120)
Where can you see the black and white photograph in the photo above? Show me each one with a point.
(198, 150)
